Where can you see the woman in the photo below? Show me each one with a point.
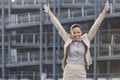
(77, 46)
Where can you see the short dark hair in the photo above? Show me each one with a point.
(74, 26)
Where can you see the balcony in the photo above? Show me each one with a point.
(109, 47)
(21, 2)
(83, 13)
(34, 75)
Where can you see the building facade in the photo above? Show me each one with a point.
(31, 48)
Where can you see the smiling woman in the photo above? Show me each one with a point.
(76, 32)
(77, 46)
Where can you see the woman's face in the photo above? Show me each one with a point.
(76, 33)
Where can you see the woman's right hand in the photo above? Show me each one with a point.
(46, 8)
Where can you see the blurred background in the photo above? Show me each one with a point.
(31, 48)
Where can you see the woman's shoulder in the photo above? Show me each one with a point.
(84, 35)
(85, 39)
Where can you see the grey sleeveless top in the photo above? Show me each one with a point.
(76, 53)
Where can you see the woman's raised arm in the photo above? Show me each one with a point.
(55, 21)
(98, 21)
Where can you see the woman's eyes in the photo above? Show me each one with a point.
(75, 32)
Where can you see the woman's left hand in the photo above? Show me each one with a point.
(107, 5)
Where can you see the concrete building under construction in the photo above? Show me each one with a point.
(31, 48)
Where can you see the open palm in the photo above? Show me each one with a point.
(107, 5)
(46, 8)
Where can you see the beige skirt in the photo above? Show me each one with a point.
(74, 72)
